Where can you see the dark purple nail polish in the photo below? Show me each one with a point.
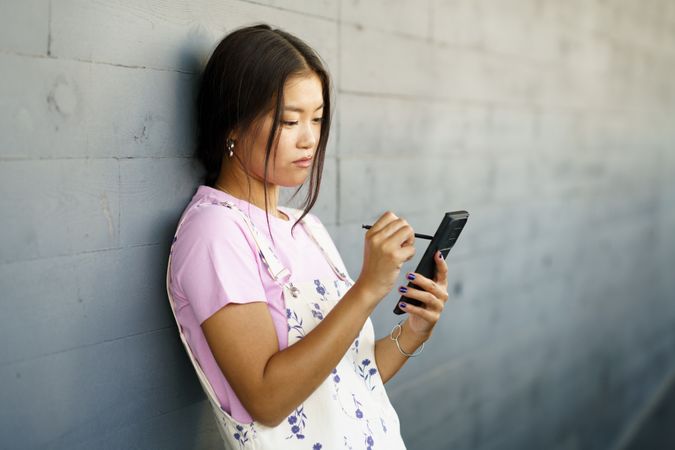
(411, 276)
(403, 289)
(402, 305)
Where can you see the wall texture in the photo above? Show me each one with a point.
(549, 121)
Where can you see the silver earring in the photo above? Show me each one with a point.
(230, 146)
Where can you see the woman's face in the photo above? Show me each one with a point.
(300, 129)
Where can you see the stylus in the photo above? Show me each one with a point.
(423, 236)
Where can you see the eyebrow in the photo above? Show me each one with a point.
(297, 109)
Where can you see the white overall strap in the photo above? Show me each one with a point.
(319, 236)
(275, 268)
(211, 394)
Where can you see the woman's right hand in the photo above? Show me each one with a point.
(388, 244)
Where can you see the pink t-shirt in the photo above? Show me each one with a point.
(215, 261)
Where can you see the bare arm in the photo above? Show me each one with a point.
(387, 356)
(271, 383)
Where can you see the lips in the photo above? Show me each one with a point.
(305, 162)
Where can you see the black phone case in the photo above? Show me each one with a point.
(444, 239)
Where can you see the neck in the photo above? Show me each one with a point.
(255, 196)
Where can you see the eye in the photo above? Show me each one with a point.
(289, 123)
(318, 119)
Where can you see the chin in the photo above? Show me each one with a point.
(293, 183)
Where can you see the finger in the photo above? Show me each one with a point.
(430, 301)
(406, 253)
(386, 218)
(405, 235)
(431, 286)
(396, 229)
(430, 316)
(441, 276)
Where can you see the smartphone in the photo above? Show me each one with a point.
(444, 239)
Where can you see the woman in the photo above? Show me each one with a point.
(278, 333)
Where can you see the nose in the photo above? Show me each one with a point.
(307, 138)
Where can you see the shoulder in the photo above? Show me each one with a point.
(210, 237)
(211, 220)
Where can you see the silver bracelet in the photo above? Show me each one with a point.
(400, 330)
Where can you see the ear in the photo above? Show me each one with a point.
(234, 134)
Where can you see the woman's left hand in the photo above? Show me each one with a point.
(433, 294)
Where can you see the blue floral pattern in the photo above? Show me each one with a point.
(358, 412)
(320, 289)
(316, 311)
(366, 373)
(241, 435)
(384, 427)
(293, 317)
(353, 411)
(337, 289)
(368, 439)
(297, 423)
(355, 345)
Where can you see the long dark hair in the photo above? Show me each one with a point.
(242, 81)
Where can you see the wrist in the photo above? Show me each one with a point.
(414, 337)
(365, 297)
(409, 343)
(365, 294)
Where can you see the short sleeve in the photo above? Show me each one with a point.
(214, 263)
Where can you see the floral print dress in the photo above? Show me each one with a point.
(350, 409)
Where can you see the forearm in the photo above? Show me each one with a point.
(387, 355)
(292, 374)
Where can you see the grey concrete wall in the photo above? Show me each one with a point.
(549, 121)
